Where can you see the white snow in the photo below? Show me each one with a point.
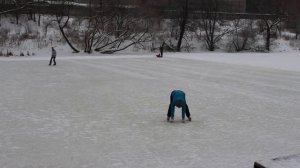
(110, 111)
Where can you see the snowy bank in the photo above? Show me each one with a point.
(289, 61)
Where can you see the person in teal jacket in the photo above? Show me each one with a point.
(177, 98)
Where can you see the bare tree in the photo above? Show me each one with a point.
(19, 5)
(133, 32)
(211, 22)
(270, 27)
(22, 5)
(292, 9)
(183, 19)
(272, 13)
(112, 28)
(241, 34)
(178, 11)
(62, 19)
(91, 22)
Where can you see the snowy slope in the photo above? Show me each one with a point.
(111, 111)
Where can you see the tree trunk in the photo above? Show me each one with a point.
(268, 39)
(211, 46)
(39, 20)
(17, 17)
(67, 40)
(182, 26)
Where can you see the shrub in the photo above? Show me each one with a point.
(3, 35)
(9, 53)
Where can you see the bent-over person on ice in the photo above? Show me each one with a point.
(53, 56)
(177, 99)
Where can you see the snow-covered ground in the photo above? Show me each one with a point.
(110, 111)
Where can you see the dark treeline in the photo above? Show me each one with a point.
(232, 6)
(235, 6)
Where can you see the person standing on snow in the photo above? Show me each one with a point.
(53, 56)
(177, 99)
(161, 49)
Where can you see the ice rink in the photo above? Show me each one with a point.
(110, 112)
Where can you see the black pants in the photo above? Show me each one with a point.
(54, 62)
(187, 113)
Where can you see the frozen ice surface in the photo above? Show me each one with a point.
(292, 161)
(111, 113)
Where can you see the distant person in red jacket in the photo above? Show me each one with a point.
(53, 56)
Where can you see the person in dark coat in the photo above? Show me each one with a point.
(53, 56)
(161, 49)
(177, 99)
